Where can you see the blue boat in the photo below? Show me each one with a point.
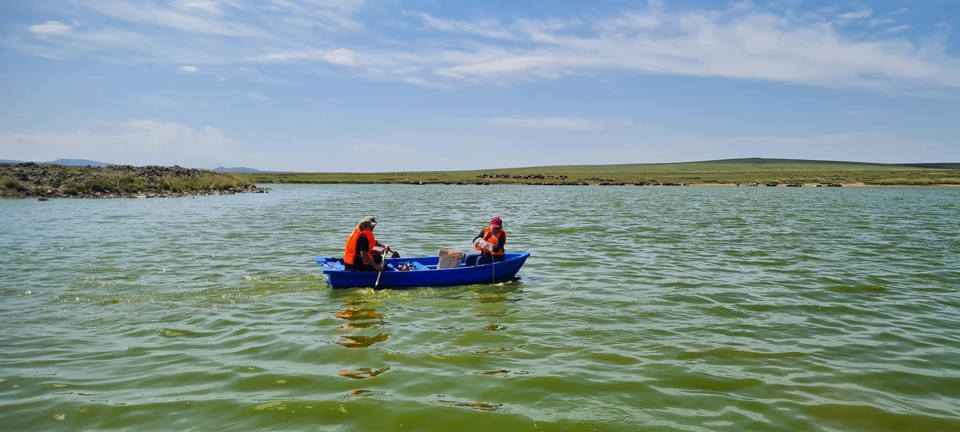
(423, 272)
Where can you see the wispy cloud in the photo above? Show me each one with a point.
(50, 28)
(257, 96)
(733, 44)
(898, 29)
(329, 15)
(188, 69)
(847, 17)
(563, 123)
(338, 56)
(741, 41)
(186, 19)
(485, 27)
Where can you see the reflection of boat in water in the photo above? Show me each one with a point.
(423, 273)
(360, 318)
(360, 341)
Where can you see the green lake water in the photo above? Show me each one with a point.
(640, 308)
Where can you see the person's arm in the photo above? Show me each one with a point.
(500, 242)
(481, 239)
(383, 248)
(365, 256)
(368, 260)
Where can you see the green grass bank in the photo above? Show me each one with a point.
(757, 171)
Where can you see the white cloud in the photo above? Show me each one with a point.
(211, 7)
(50, 28)
(257, 96)
(188, 69)
(138, 142)
(897, 29)
(487, 27)
(116, 45)
(543, 65)
(741, 41)
(338, 56)
(182, 19)
(854, 16)
(329, 15)
(562, 123)
(737, 44)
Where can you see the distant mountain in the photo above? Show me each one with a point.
(78, 162)
(63, 162)
(235, 170)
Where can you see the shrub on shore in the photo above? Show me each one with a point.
(206, 182)
(33, 180)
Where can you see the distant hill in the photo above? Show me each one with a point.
(235, 170)
(63, 162)
(93, 163)
(823, 163)
(936, 165)
(78, 163)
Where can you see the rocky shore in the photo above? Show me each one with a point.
(31, 180)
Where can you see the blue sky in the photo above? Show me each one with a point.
(354, 85)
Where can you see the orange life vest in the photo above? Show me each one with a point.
(492, 238)
(350, 252)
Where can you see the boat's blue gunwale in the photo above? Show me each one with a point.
(502, 271)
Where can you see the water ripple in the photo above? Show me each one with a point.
(641, 307)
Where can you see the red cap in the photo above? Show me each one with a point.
(496, 221)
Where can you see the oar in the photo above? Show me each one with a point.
(493, 264)
(382, 265)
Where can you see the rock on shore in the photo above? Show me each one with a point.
(26, 180)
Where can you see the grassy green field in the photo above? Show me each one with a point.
(731, 171)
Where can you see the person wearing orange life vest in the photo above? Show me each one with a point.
(359, 253)
(490, 242)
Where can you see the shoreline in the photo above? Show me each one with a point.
(805, 185)
(259, 189)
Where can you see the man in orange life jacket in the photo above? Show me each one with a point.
(490, 243)
(359, 253)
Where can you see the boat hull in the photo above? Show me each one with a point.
(426, 273)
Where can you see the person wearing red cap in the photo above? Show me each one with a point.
(490, 242)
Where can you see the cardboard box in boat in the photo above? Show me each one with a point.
(449, 258)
